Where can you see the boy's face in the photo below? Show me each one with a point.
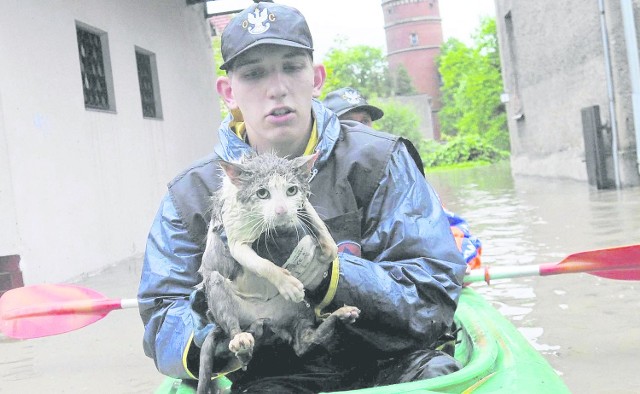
(273, 87)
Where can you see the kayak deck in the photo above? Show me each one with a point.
(495, 355)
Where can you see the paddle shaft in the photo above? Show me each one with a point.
(488, 273)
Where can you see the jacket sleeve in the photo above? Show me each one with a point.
(408, 280)
(169, 275)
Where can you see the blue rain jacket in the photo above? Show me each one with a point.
(398, 261)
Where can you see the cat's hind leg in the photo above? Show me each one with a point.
(306, 335)
(207, 356)
(227, 311)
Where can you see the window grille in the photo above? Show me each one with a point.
(148, 83)
(92, 67)
(145, 79)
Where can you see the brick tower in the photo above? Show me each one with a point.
(413, 30)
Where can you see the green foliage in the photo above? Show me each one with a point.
(403, 85)
(472, 84)
(216, 43)
(361, 67)
(398, 119)
(459, 149)
(217, 57)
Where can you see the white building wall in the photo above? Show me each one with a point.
(8, 228)
(80, 187)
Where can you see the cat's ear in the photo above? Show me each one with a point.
(233, 171)
(305, 163)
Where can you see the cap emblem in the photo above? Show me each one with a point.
(352, 97)
(259, 21)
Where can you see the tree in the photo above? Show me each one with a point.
(399, 119)
(403, 85)
(472, 84)
(361, 67)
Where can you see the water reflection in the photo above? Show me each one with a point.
(103, 357)
(530, 220)
(534, 220)
(17, 359)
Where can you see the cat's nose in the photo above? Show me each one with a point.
(281, 210)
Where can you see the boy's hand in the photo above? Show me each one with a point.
(308, 263)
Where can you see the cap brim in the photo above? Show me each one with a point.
(375, 112)
(274, 41)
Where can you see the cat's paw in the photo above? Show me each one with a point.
(289, 286)
(347, 314)
(242, 346)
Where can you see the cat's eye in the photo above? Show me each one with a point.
(292, 191)
(262, 193)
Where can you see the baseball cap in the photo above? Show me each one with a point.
(264, 23)
(344, 100)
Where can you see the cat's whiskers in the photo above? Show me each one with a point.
(253, 225)
(305, 222)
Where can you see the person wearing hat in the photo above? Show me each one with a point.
(349, 104)
(397, 259)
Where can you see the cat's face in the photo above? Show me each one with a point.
(271, 191)
(278, 201)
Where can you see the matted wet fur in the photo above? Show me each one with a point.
(246, 293)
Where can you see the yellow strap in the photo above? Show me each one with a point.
(313, 140)
(190, 343)
(184, 357)
(331, 291)
(239, 129)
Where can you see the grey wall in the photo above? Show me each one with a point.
(553, 66)
(421, 104)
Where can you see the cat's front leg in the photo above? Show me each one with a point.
(328, 247)
(288, 285)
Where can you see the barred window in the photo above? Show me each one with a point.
(148, 81)
(95, 69)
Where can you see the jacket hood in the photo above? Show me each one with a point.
(231, 147)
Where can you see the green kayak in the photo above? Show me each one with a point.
(496, 358)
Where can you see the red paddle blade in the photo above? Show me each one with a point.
(622, 263)
(43, 310)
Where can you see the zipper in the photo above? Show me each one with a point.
(313, 174)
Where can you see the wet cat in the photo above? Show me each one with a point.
(261, 197)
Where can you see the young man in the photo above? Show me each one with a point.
(397, 261)
(349, 104)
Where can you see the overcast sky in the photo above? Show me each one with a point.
(362, 22)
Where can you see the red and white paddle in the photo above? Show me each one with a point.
(622, 263)
(49, 309)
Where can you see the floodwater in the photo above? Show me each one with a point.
(587, 327)
(104, 357)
